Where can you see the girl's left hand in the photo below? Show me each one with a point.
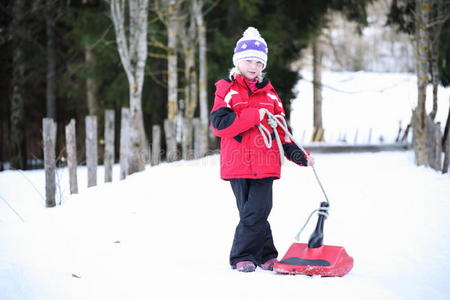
(310, 160)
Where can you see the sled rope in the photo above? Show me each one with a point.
(323, 211)
(277, 120)
(273, 122)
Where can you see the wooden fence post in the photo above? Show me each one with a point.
(171, 141)
(399, 132)
(124, 140)
(437, 146)
(198, 140)
(187, 139)
(71, 148)
(405, 134)
(109, 144)
(91, 149)
(49, 140)
(429, 129)
(156, 145)
(447, 154)
(434, 144)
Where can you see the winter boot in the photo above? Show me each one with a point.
(268, 265)
(245, 266)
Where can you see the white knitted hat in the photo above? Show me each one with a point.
(251, 46)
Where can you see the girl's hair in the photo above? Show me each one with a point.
(235, 71)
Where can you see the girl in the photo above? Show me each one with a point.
(240, 105)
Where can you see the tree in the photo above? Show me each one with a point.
(18, 147)
(202, 83)
(91, 85)
(422, 13)
(87, 56)
(172, 10)
(318, 135)
(440, 14)
(188, 38)
(91, 61)
(50, 21)
(169, 13)
(193, 39)
(425, 20)
(287, 26)
(132, 48)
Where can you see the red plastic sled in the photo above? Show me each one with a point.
(324, 261)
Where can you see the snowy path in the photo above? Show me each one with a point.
(165, 234)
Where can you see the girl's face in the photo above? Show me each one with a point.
(251, 69)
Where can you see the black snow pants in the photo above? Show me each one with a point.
(253, 237)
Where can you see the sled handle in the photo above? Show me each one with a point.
(316, 238)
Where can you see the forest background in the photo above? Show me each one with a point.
(59, 59)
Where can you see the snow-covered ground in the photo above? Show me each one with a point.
(165, 233)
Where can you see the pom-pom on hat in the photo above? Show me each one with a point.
(251, 46)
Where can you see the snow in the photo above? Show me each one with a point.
(165, 233)
(354, 103)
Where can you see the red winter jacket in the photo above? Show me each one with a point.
(235, 117)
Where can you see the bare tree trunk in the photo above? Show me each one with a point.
(172, 64)
(188, 40)
(440, 15)
(422, 48)
(435, 77)
(203, 82)
(50, 19)
(18, 141)
(133, 55)
(172, 61)
(138, 140)
(190, 74)
(91, 85)
(318, 134)
(190, 109)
